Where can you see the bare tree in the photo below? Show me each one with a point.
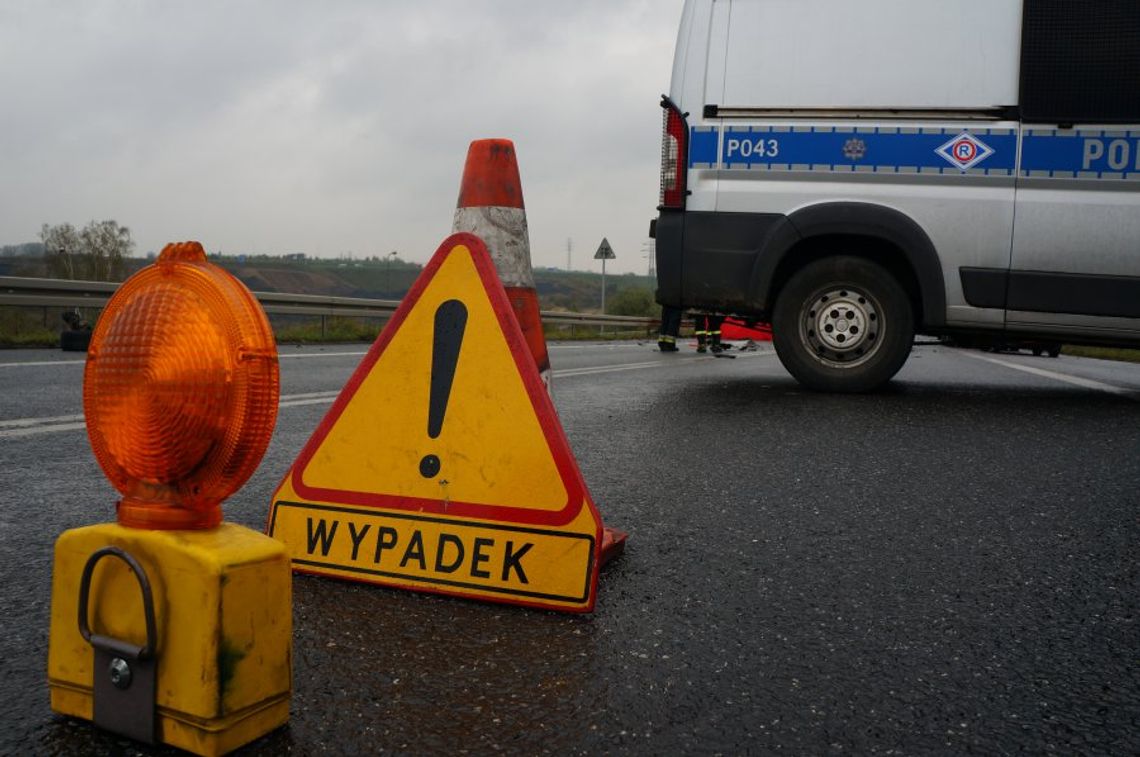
(61, 250)
(105, 244)
(95, 253)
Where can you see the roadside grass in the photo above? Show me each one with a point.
(22, 327)
(331, 330)
(40, 337)
(23, 330)
(1102, 353)
(366, 330)
(572, 333)
(28, 327)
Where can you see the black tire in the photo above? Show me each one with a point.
(1054, 350)
(74, 340)
(843, 324)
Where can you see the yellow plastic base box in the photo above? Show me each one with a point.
(224, 627)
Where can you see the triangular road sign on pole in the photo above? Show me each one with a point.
(604, 253)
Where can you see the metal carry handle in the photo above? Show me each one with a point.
(144, 583)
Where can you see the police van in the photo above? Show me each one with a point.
(859, 172)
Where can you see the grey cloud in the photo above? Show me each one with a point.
(329, 127)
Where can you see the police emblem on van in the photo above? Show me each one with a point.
(965, 151)
(854, 149)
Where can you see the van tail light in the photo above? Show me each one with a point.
(674, 156)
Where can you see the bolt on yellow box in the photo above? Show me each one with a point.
(223, 627)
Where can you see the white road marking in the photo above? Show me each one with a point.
(22, 422)
(33, 363)
(569, 372)
(1062, 377)
(297, 356)
(313, 398)
(322, 354)
(19, 427)
(42, 362)
(32, 430)
(595, 345)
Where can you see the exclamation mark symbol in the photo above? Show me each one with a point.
(450, 322)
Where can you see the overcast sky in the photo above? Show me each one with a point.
(277, 126)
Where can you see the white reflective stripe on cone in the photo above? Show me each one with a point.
(504, 231)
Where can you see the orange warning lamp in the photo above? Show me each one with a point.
(180, 390)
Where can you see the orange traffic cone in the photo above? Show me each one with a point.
(491, 207)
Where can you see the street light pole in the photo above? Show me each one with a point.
(388, 271)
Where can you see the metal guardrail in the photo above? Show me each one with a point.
(31, 292)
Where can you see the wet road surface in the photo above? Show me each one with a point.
(947, 566)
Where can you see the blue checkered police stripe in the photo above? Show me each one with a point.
(1045, 153)
(1081, 153)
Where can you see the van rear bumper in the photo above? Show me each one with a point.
(709, 259)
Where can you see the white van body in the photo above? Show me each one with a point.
(977, 160)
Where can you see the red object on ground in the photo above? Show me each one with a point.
(613, 544)
(734, 328)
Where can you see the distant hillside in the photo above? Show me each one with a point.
(574, 291)
(386, 279)
(581, 292)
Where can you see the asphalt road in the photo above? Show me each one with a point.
(947, 566)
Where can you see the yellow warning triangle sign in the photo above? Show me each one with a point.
(442, 465)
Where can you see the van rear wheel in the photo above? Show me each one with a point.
(842, 324)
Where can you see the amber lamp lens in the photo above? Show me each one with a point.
(180, 390)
